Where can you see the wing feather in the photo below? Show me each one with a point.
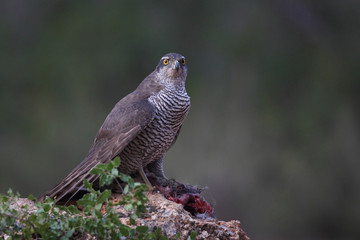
(127, 119)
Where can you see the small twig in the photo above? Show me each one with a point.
(122, 190)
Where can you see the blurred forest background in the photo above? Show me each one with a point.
(275, 85)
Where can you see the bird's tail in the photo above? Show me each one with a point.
(99, 153)
(73, 182)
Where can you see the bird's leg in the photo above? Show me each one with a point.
(156, 167)
(146, 180)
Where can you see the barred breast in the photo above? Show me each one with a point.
(171, 107)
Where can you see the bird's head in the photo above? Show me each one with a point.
(172, 67)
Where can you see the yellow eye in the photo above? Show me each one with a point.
(166, 61)
(182, 61)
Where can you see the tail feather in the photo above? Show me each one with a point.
(91, 180)
(74, 181)
(103, 150)
(75, 184)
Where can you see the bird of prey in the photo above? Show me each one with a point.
(140, 129)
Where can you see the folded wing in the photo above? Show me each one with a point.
(127, 119)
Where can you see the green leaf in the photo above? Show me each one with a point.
(117, 161)
(87, 184)
(124, 230)
(142, 229)
(101, 166)
(68, 234)
(131, 183)
(73, 210)
(31, 197)
(85, 202)
(128, 207)
(109, 166)
(10, 192)
(98, 206)
(124, 177)
(104, 196)
(126, 189)
(192, 236)
(46, 207)
(114, 172)
(96, 171)
(132, 220)
(102, 180)
(150, 236)
(158, 232)
(98, 214)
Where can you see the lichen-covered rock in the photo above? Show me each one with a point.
(172, 218)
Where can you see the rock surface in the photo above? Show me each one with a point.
(172, 219)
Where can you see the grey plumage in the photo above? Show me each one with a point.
(140, 128)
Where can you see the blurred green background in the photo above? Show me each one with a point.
(275, 88)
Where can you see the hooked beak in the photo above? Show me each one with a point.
(176, 65)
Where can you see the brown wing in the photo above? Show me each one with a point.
(127, 119)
